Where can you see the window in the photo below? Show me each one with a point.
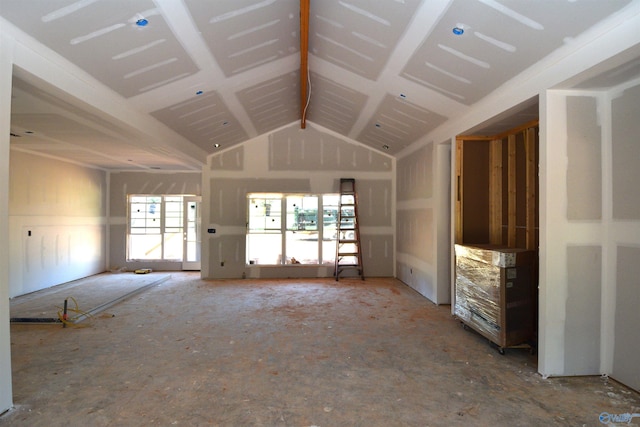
(291, 229)
(155, 228)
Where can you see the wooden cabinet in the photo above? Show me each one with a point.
(493, 293)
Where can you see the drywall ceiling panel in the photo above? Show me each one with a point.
(467, 67)
(102, 38)
(515, 117)
(205, 120)
(272, 103)
(334, 106)
(397, 123)
(59, 128)
(244, 34)
(61, 136)
(358, 35)
(618, 75)
(27, 101)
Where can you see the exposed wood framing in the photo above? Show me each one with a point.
(511, 191)
(531, 124)
(304, 64)
(515, 130)
(531, 177)
(495, 192)
(497, 221)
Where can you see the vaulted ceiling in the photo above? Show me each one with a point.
(218, 72)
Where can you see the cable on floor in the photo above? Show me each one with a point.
(63, 314)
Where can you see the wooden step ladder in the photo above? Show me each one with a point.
(348, 249)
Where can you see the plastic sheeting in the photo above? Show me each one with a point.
(484, 275)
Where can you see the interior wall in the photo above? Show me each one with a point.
(293, 160)
(422, 193)
(625, 213)
(590, 218)
(6, 70)
(122, 184)
(57, 220)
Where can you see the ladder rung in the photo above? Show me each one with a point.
(347, 229)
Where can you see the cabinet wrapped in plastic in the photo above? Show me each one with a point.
(494, 294)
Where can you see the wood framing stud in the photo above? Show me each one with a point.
(511, 191)
(495, 192)
(531, 177)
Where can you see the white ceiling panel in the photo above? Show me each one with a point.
(102, 38)
(334, 106)
(204, 120)
(499, 40)
(358, 35)
(383, 72)
(397, 123)
(273, 103)
(244, 34)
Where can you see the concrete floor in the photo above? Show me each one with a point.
(288, 353)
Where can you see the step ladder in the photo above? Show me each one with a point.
(348, 249)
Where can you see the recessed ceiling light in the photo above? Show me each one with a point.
(28, 132)
(142, 22)
(200, 92)
(378, 125)
(458, 31)
(402, 95)
(385, 146)
(225, 123)
(216, 145)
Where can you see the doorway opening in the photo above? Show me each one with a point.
(164, 228)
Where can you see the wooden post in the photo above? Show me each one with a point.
(495, 192)
(531, 174)
(304, 65)
(511, 191)
(459, 189)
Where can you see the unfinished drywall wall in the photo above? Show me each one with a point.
(589, 248)
(307, 151)
(6, 69)
(584, 267)
(57, 216)
(584, 151)
(627, 339)
(122, 184)
(626, 152)
(625, 212)
(416, 227)
(292, 160)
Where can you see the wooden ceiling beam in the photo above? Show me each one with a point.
(304, 61)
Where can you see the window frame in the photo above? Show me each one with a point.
(287, 221)
(165, 231)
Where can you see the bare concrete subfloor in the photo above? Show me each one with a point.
(288, 353)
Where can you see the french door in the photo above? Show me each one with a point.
(191, 232)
